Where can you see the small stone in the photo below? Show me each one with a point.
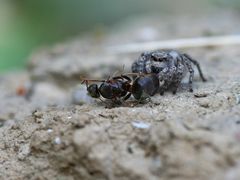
(141, 125)
(57, 140)
(204, 103)
(200, 94)
(80, 122)
(49, 130)
(37, 114)
(238, 98)
(23, 152)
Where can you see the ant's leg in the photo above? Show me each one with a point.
(122, 77)
(127, 96)
(198, 66)
(107, 104)
(126, 77)
(85, 82)
(100, 98)
(117, 77)
(145, 98)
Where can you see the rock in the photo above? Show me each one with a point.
(23, 152)
(204, 103)
(200, 94)
(238, 98)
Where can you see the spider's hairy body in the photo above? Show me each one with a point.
(170, 66)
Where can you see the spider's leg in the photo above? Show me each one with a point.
(191, 71)
(162, 92)
(178, 76)
(198, 66)
(162, 86)
(163, 83)
(175, 86)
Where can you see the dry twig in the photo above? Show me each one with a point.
(176, 44)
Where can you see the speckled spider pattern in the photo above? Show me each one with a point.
(170, 66)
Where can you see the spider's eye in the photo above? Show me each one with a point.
(155, 57)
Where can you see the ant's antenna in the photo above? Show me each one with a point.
(84, 80)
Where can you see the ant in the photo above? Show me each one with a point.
(120, 88)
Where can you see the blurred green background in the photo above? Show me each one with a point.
(28, 24)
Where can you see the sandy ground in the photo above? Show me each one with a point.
(183, 136)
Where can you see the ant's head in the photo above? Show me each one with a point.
(93, 91)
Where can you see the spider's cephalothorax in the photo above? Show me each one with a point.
(170, 67)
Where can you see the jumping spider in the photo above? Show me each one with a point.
(119, 88)
(170, 66)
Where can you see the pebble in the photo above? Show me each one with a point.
(57, 140)
(204, 103)
(23, 152)
(141, 125)
(49, 130)
(238, 98)
(200, 94)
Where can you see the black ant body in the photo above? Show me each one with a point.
(144, 85)
(120, 88)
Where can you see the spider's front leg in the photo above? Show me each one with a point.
(186, 56)
(161, 91)
(162, 84)
(178, 75)
(175, 86)
(191, 71)
(165, 79)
